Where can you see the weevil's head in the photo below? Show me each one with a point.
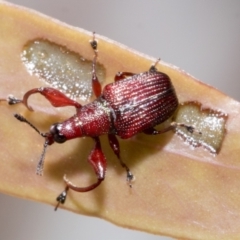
(61, 132)
(55, 134)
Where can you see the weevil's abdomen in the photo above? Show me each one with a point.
(141, 102)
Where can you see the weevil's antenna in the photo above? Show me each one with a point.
(39, 170)
(23, 119)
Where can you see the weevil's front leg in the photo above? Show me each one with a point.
(99, 164)
(116, 149)
(55, 97)
(96, 86)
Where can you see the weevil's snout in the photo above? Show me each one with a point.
(55, 133)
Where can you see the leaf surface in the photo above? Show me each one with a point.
(179, 191)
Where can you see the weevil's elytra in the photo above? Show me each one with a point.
(135, 108)
(133, 103)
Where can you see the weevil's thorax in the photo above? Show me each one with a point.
(92, 120)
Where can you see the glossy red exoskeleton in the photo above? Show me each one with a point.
(134, 103)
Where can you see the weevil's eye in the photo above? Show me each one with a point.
(57, 135)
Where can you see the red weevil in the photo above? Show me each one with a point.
(134, 103)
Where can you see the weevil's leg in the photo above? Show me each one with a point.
(96, 86)
(11, 100)
(172, 126)
(116, 149)
(153, 68)
(61, 198)
(99, 164)
(122, 75)
(55, 97)
(153, 131)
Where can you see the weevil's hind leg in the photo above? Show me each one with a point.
(55, 97)
(99, 164)
(122, 75)
(116, 149)
(96, 86)
(172, 126)
(153, 68)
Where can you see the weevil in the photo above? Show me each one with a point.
(133, 103)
